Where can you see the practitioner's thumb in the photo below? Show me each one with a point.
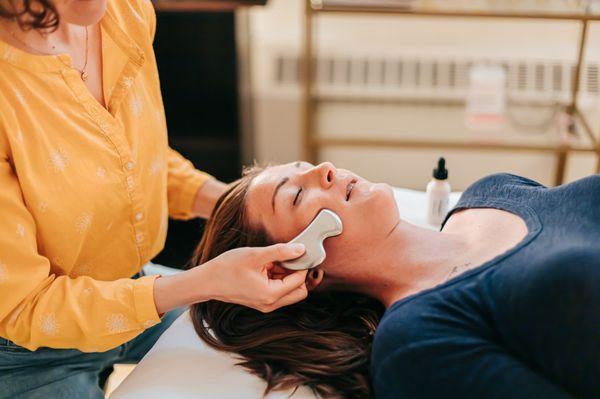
(280, 252)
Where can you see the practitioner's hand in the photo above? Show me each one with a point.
(243, 276)
(207, 196)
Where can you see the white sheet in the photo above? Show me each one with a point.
(181, 366)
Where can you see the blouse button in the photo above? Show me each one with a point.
(138, 216)
(129, 165)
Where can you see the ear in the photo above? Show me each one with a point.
(314, 278)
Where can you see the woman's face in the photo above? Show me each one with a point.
(284, 199)
(80, 12)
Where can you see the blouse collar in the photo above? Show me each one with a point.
(54, 63)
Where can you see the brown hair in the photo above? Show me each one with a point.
(323, 342)
(34, 14)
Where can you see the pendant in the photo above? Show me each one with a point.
(84, 76)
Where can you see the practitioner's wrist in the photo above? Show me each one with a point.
(181, 289)
(201, 287)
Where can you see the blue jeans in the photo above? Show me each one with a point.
(68, 373)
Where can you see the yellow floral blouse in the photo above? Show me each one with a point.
(85, 191)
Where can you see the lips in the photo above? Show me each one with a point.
(349, 188)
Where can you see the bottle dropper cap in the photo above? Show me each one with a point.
(441, 173)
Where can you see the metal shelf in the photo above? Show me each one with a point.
(332, 6)
(567, 142)
(203, 5)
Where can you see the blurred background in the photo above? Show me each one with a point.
(381, 87)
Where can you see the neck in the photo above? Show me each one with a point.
(410, 260)
(59, 41)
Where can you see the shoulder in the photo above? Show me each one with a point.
(498, 190)
(413, 326)
(134, 16)
(417, 338)
(584, 191)
(574, 269)
(395, 329)
(509, 178)
(502, 182)
(447, 310)
(554, 284)
(143, 10)
(390, 361)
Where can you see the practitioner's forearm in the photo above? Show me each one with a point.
(240, 276)
(181, 289)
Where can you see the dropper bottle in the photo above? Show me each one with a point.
(438, 195)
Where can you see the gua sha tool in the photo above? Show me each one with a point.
(326, 224)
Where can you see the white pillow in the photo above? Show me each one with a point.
(181, 366)
(412, 205)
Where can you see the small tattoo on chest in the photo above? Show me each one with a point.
(457, 269)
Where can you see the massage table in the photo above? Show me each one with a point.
(181, 366)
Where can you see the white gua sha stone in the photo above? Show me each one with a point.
(326, 224)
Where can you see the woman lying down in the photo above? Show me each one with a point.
(503, 302)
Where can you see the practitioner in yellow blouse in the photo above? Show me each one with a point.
(87, 183)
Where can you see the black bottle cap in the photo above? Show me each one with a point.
(441, 173)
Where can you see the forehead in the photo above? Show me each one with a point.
(271, 175)
(260, 192)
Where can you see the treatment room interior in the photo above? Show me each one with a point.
(394, 85)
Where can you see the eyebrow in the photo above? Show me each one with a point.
(281, 183)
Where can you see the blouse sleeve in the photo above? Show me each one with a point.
(40, 308)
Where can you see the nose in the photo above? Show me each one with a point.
(325, 173)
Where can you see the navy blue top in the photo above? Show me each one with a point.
(525, 324)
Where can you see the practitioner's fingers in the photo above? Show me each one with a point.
(277, 253)
(276, 271)
(242, 275)
(279, 289)
(296, 295)
(282, 287)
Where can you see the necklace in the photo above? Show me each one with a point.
(82, 72)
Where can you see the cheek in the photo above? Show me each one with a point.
(346, 256)
(373, 218)
(299, 217)
(338, 251)
(383, 205)
(365, 227)
(289, 223)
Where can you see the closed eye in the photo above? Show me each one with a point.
(297, 196)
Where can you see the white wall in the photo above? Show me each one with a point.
(277, 28)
